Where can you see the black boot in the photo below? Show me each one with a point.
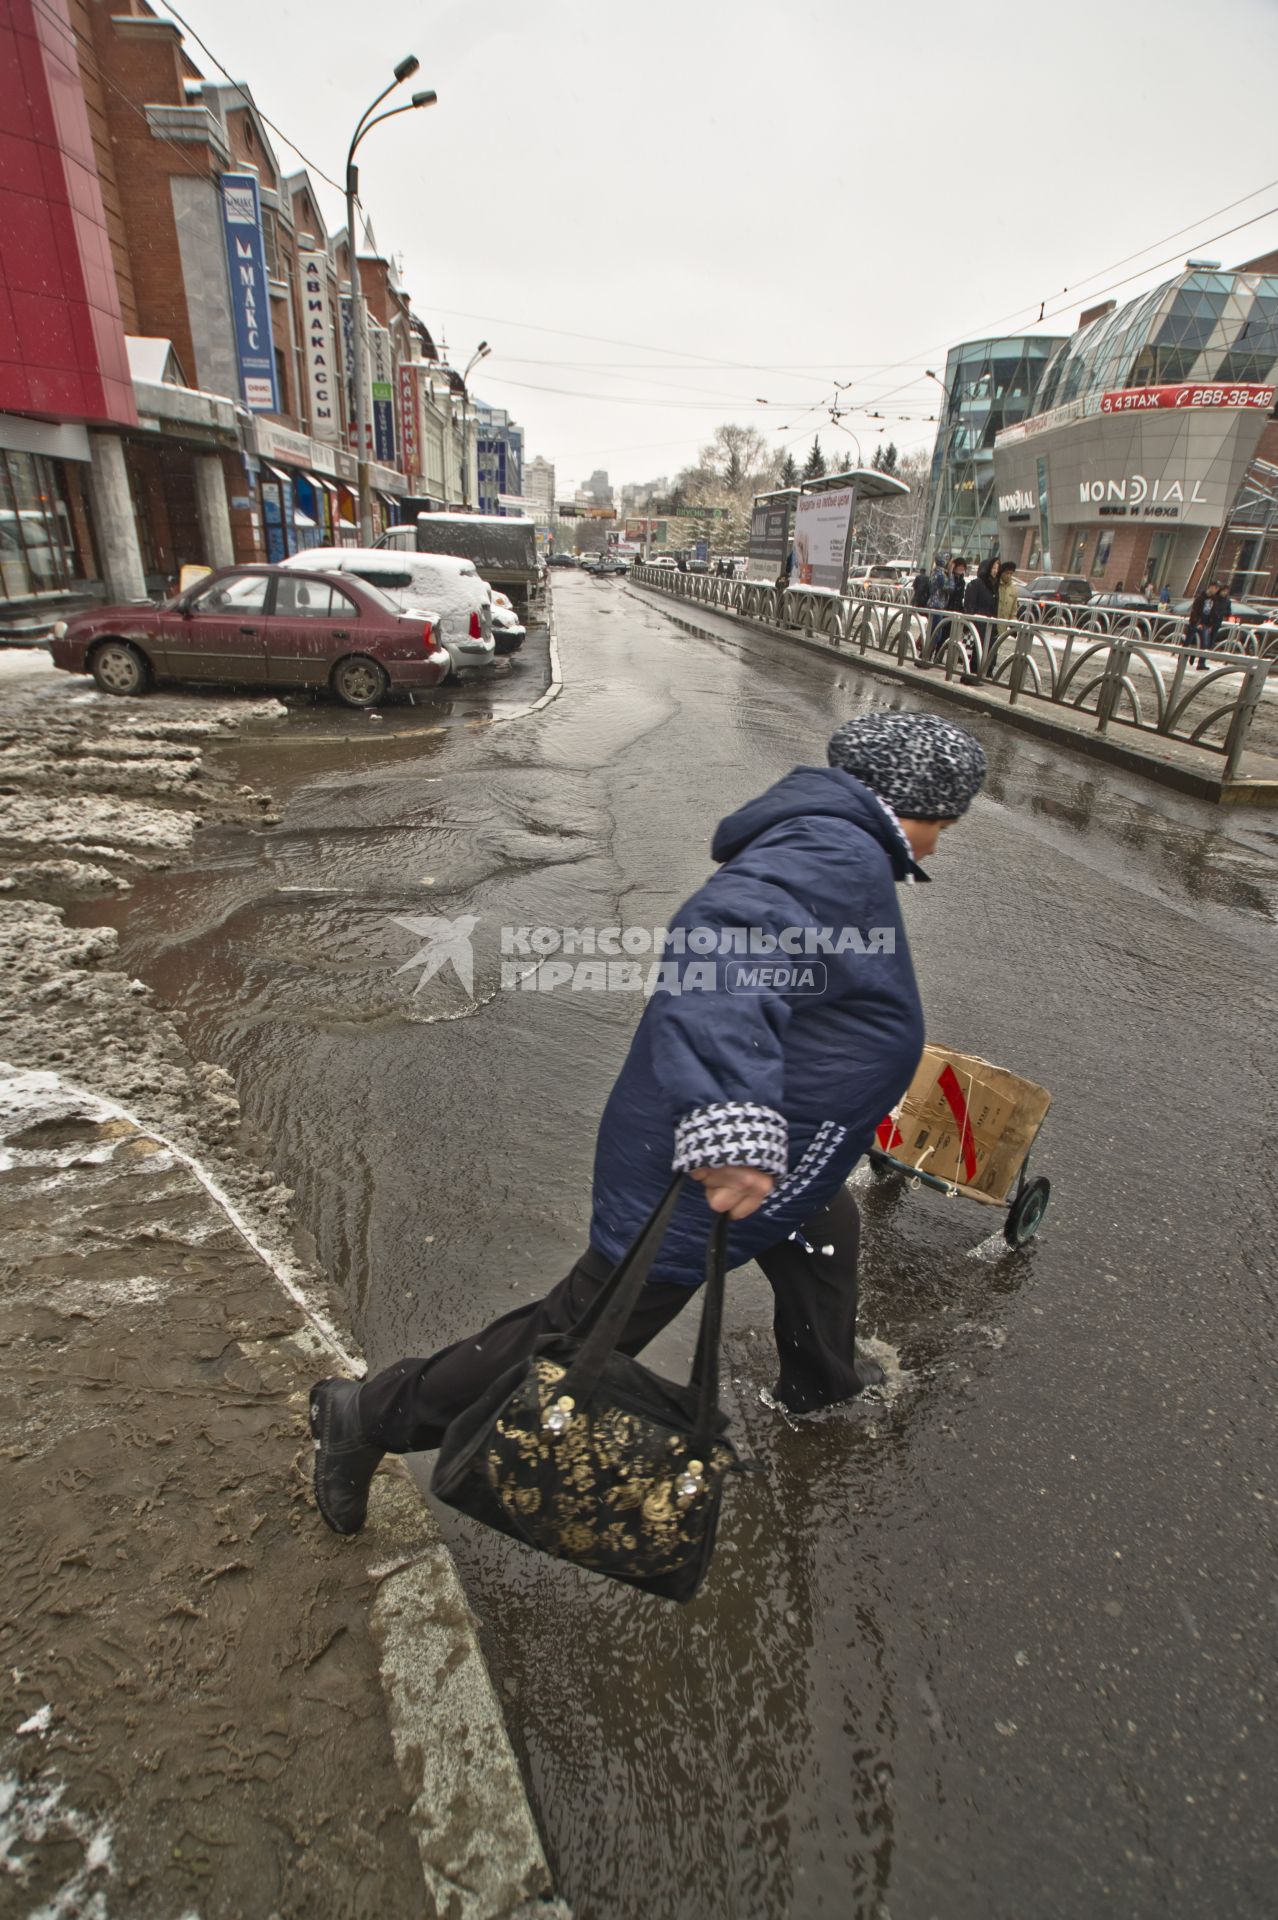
(345, 1461)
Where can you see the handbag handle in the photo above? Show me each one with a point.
(705, 1364)
(600, 1326)
(603, 1322)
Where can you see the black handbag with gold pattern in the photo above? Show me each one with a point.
(587, 1455)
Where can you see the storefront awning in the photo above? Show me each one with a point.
(302, 519)
(278, 472)
(318, 480)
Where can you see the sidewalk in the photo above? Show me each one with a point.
(213, 1707)
(1193, 770)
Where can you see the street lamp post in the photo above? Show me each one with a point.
(407, 66)
(481, 352)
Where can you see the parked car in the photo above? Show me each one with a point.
(1238, 631)
(258, 626)
(1241, 614)
(1070, 587)
(561, 560)
(1126, 602)
(447, 587)
(508, 630)
(664, 560)
(884, 572)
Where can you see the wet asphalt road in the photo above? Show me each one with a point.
(1002, 1647)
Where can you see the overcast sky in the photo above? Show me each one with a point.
(674, 211)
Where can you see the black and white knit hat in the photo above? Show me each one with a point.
(924, 767)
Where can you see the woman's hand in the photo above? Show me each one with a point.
(736, 1191)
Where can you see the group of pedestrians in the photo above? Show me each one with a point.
(987, 596)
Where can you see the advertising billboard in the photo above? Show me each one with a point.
(318, 347)
(382, 366)
(822, 524)
(250, 291)
(770, 536)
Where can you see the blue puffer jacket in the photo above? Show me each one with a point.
(787, 1074)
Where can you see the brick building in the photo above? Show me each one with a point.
(179, 393)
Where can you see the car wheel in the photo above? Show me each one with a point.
(359, 682)
(119, 668)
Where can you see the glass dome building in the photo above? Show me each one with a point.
(989, 385)
(1135, 454)
(1203, 326)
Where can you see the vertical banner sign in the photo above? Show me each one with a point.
(321, 360)
(348, 354)
(822, 522)
(347, 306)
(250, 294)
(408, 418)
(383, 367)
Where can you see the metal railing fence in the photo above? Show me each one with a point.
(1129, 670)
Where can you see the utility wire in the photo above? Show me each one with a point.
(1154, 266)
(240, 88)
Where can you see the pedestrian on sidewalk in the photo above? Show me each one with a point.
(980, 601)
(766, 1099)
(921, 589)
(1209, 609)
(951, 601)
(1007, 591)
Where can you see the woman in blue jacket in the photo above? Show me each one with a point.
(788, 1025)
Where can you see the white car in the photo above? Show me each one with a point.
(442, 586)
(663, 560)
(509, 633)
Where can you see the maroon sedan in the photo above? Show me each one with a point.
(259, 626)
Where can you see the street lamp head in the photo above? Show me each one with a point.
(426, 99)
(409, 64)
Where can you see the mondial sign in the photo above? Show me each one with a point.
(1138, 490)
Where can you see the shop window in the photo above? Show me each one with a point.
(1104, 547)
(1076, 553)
(37, 548)
(1160, 554)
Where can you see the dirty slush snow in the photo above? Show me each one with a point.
(190, 1686)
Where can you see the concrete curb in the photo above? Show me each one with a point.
(1185, 778)
(555, 685)
(480, 1850)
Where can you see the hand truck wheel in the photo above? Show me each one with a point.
(1025, 1215)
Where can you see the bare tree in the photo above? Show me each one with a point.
(740, 457)
(894, 529)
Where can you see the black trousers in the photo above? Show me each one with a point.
(406, 1407)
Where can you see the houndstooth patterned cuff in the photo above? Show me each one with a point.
(735, 1134)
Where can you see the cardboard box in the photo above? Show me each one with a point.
(966, 1122)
